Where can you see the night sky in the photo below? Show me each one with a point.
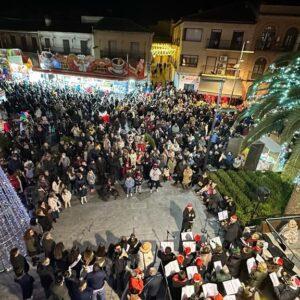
(142, 11)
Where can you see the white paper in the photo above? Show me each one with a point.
(223, 215)
(187, 236)
(187, 291)
(232, 286)
(259, 258)
(164, 245)
(215, 241)
(274, 279)
(172, 268)
(251, 264)
(218, 265)
(210, 290)
(190, 271)
(192, 245)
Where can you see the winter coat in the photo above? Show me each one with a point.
(232, 232)
(129, 182)
(187, 176)
(285, 292)
(54, 203)
(19, 264)
(145, 260)
(45, 223)
(91, 178)
(152, 285)
(234, 265)
(26, 283)
(48, 247)
(155, 174)
(257, 278)
(59, 292)
(67, 196)
(46, 276)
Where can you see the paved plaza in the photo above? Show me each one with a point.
(98, 221)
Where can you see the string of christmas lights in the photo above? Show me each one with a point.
(14, 220)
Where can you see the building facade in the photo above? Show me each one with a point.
(235, 47)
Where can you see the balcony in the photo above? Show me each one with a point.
(273, 45)
(224, 45)
(61, 50)
(215, 70)
(122, 54)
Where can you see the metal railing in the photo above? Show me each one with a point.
(122, 54)
(275, 225)
(224, 44)
(273, 45)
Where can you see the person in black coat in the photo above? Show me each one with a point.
(18, 262)
(152, 284)
(43, 220)
(26, 283)
(234, 262)
(188, 218)
(288, 292)
(232, 232)
(83, 292)
(46, 274)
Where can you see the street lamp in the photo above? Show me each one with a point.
(237, 68)
(221, 83)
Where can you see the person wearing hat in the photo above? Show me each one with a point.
(258, 276)
(232, 232)
(145, 256)
(200, 266)
(59, 290)
(234, 262)
(153, 284)
(197, 281)
(46, 274)
(155, 173)
(288, 291)
(179, 280)
(188, 218)
(136, 283)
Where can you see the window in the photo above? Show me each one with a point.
(188, 87)
(230, 67)
(267, 38)
(210, 67)
(189, 60)
(193, 34)
(34, 43)
(47, 43)
(259, 67)
(134, 48)
(290, 39)
(112, 47)
(215, 37)
(237, 40)
(84, 47)
(23, 43)
(13, 42)
(66, 45)
(4, 41)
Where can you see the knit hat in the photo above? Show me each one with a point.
(199, 262)
(295, 280)
(146, 247)
(197, 277)
(197, 238)
(187, 250)
(218, 297)
(233, 218)
(180, 259)
(190, 205)
(278, 261)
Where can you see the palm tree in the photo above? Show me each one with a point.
(275, 107)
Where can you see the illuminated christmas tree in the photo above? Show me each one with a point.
(14, 220)
(275, 107)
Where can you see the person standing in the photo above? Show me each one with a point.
(46, 274)
(153, 284)
(154, 177)
(26, 283)
(18, 262)
(129, 184)
(145, 257)
(96, 280)
(58, 290)
(188, 218)
(232, 232)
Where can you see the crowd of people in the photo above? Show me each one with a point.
(64, 144)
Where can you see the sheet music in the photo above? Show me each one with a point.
(210, 290)
(274, 279)
(164, 245)
(232, 286)
(172, 268)
(192, 245)
(187, 292)
(187, 236)
(223, 215)
(190, 271)
(215, 241)
(259, 258)
(251, 264)
(218, 265)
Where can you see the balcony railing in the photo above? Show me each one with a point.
(273, 45)
(61, 50)
(122, 54)
(214, 70)
(224, 44)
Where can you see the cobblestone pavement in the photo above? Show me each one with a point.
(149, 215)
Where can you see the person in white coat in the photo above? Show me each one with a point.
(155, 173)
(145, 257)
(66, 196)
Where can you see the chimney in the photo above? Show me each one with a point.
(47, 21)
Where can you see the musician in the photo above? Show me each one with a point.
(232, 232)
(188, 218)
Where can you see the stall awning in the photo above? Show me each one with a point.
(207, 86)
